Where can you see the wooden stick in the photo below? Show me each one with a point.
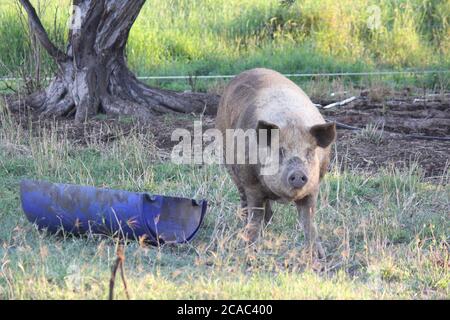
(118, 263)
(346, 126)
(340, 103)
(122, 275)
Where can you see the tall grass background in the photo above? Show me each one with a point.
(192, 37)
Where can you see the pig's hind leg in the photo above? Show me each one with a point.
(237, 182)
(268, 212)
(243, 197)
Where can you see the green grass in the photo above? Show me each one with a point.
(192, 37)
(386, 235)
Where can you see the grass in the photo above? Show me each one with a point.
(201, 37)
(372, 133)
(386, 235)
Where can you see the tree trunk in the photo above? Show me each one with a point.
(93, 75)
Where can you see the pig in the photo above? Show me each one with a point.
(264, 99)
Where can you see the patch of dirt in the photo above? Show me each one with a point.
(426, 115)
(355, 151)
(392, 130)
(380, 145)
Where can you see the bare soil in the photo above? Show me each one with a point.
(383, 141)
(393, 126)
(423, 115)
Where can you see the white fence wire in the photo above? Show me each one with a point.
(289, 75)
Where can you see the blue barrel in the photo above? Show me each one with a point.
(138, 215)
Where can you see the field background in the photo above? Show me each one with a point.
(384, 217)
(208, 37)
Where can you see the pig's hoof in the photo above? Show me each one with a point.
(250, 239)
(316, 251)
(251, 236)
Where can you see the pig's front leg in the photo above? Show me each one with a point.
(306, 208)
(255, 215)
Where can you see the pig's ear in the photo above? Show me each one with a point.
(324, 133)
(262, 124)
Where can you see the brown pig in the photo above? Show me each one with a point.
(264, 99)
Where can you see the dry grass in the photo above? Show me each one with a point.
(386, 235)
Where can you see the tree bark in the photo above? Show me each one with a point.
(93, 75)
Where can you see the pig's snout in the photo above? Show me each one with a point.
(297, 179)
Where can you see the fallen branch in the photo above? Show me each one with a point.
(119, 263)
(346, 126)
(340, 103)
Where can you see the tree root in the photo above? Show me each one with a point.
(92, 73)
(124, 98)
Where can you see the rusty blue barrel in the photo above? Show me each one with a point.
(88, 210)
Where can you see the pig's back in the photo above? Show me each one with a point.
(263, 94)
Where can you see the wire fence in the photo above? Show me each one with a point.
(289, 75)
(301, 75)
